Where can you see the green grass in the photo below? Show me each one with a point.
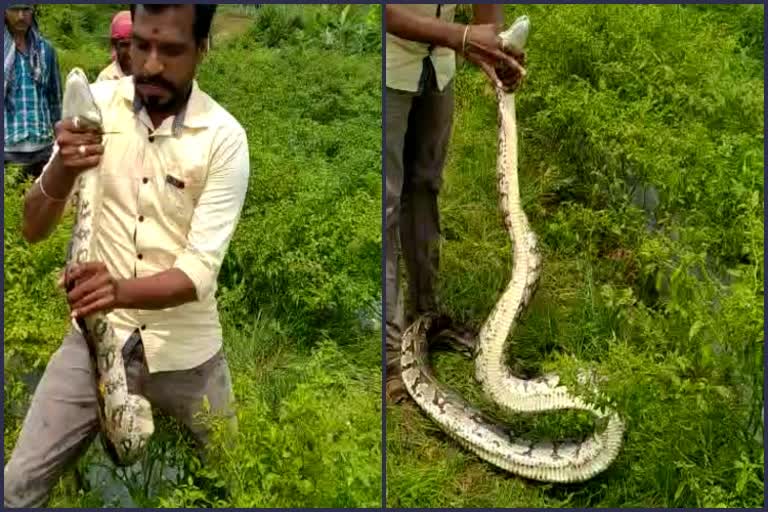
(297, 287)
(641, 168)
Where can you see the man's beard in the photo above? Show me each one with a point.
(156, 104)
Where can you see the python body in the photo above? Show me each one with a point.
(545, 461)
(125, 418)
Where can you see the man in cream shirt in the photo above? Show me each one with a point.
(174, 170)
(422, 43)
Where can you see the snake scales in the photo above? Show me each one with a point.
(547, 460)
(125, 418)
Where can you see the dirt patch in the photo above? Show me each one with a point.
(229, 23)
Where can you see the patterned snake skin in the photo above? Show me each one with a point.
(547, 461)
(125, 418)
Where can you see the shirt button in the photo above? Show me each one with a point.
(145, 180)
(144, 327)
(141, 218)
(140, 256)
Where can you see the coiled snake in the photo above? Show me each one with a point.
(125, 418)
(545, 461)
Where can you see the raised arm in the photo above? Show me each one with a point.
(46, 199)
(403, 23)
(478, 43)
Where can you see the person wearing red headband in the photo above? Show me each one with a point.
(120, 38)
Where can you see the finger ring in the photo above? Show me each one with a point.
(81, 149)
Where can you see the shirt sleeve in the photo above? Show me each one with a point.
(217, 213)
(105, 74)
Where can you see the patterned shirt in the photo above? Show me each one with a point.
(33, 108)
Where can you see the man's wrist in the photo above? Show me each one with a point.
(455, 37)
(123, 298)
(59, 182)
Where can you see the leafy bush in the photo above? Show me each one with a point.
(317, 447)
(307, 236)
(348, 28)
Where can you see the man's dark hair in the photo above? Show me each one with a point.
(203, 17)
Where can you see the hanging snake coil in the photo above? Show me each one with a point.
(548, 461)
(125, 418)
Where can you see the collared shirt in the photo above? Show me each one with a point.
(405, 59)
(33, 108)
(171, 198)
(111, 72)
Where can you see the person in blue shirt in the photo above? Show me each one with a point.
(32, 89)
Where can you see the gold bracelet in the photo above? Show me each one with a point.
(40, 182)
(464, 40)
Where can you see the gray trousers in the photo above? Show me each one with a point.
(62, 419)
(32, 162)
(418, 129)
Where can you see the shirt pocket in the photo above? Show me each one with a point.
(182, 188)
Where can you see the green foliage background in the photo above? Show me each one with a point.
(299, 289)
(641, 166)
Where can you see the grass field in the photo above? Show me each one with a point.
(641, 168)
(300, 287)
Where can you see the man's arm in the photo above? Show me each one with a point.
(478, 43)
(42, 212)
(217, 213)
(96, 290)
(46, 199)
(488, 14)
(166, 289)
(432, 30)
(424, 29)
